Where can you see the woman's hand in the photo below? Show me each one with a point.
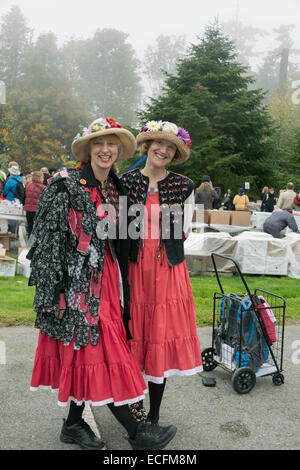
(59, 314)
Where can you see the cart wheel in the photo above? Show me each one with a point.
(243, 380)
(208, 359)
(278, 379)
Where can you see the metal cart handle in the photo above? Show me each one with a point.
(237, 267)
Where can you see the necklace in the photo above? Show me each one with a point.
(153, 180)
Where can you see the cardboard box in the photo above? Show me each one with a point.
(219, 217)
(240, 218)
(7, 266)
(201, 216)
(5, 239)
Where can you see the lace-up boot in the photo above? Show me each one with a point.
(152, 436)
(81, 434)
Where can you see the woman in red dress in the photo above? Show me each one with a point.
(79, 268)
(163, 319)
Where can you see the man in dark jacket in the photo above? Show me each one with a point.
(278, 221)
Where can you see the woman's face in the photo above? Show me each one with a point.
(161, 152)
(104, 151)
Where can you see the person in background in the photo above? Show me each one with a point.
(286, 198)
(205, 194)
(46, 174)
(33, 190)
(9, 190)
(241, 200)
(217, 201)
(296, 202)
(228, 200)
(27, 179)
(263, 197)
(52, 171)
(278, 221)
(269, 201)
(11, 183)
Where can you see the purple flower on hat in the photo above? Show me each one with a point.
(85, 131)
(184, 135)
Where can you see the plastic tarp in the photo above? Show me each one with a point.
(255, 253)
(260, 253)
(199, 246)
(292, 243)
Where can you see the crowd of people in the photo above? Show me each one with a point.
(281, 209)
(206, 194)
(25, 188)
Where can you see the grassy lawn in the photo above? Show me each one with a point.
(16, 298)
(205, 286)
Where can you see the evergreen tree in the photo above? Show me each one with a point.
(42, 114)
(210, 96)
(161, 58)
(15, 39)
(104, 73)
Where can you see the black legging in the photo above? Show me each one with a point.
(156, 392)
(121, 413)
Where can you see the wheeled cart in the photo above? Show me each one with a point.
(248, 334)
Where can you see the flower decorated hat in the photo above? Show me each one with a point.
(99, 127)
(154, 130)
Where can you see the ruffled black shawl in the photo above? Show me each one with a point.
(58, 267)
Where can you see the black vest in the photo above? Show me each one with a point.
(173, 192)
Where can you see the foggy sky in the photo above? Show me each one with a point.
(144, 20)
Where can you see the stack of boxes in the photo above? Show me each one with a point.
(216, 217)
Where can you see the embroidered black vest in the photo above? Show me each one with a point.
(173, 192)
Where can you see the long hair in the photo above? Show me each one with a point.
(205, 186)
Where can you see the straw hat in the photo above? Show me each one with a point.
(154, 130)
(103, 126)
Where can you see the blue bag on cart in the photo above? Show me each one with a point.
(239, 329)
(251, 349)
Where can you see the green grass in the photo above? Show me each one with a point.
(16, 298)
(205, 286)
(16, 301)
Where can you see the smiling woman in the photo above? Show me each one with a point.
(163, 317)
(104, 153)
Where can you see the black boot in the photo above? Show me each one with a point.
(81, 434)
(151, 436)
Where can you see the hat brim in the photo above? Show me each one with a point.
(80, 147)
(183, 150)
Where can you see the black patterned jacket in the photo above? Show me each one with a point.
(63, 261)
(173, 192)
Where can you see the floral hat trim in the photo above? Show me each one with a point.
(170, 128)
(98, 125)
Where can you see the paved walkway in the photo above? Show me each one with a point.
(207, 418)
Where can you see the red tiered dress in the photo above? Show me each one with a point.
(162, 309)
(101, 374)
